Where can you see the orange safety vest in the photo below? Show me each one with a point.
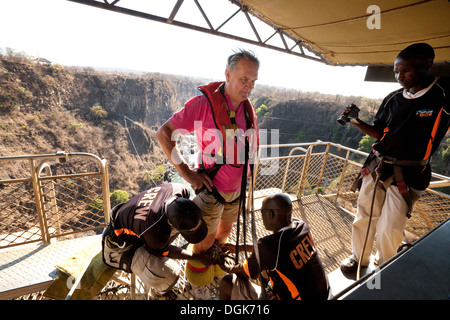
(224, 119)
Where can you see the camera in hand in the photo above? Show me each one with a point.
(353, 113)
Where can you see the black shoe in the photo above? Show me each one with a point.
(350, 266)
(170, 295)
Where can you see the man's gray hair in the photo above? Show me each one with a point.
(238, 55)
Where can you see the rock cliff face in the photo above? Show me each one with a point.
(307, 120)
(46, 108)
(115, 115)
(150, 99)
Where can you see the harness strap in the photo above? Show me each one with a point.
(212, 173)
(232, 113)
(403, 189)
(405, 163)
(242, 199)
(370, 166)
(232, 117)
(409, 196)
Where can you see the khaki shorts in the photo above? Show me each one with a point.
(213, 211)
(244, 289)
(160, 273)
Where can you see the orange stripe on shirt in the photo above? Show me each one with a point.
(433, 134)
(118, 232)
(291, 287)
(245, 266)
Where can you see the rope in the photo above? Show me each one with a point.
(242, 210)
(254, 238)
(378, 173)
(134, 146)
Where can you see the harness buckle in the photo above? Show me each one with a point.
(365, 171)
(402, 187)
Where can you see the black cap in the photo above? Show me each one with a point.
(186, 217)
(422, 51)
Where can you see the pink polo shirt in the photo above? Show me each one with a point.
(196, 116)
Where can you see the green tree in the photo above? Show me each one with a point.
(365, 144)
(100, 114)
(118, 196)
(446, 152)
(156, 175)
(96, 205)
(262, 110)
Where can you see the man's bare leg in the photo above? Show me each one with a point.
(222, 233)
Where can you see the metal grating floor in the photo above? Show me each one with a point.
(30, 267)
(330, 226)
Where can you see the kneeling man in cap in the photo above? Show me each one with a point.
(139, 236)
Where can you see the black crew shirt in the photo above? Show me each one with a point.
(413, 129)
(142, 220)
(292, 262)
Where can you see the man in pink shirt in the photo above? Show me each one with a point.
(223, 118)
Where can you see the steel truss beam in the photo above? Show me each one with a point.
(299, 47)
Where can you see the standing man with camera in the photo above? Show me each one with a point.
(409, 126)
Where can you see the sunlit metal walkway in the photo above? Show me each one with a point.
(46, 207)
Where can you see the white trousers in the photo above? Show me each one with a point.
(388, 221)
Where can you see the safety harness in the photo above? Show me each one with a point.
(224, 120)
(215, 93)
(125, 251)
(374, 166)
(374, 163)
(408, 195)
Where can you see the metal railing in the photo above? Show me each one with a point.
(57, 196)
(329, 170)
(71, 195)
(65, 195)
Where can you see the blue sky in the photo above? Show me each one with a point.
(77, 35)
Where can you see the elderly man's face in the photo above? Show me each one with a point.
(241, 81)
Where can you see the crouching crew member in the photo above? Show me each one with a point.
(139, 236)
(288, 257)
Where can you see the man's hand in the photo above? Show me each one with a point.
(166, 137)
(363, 126)
(201, 257)
(348, 109)
(231, 247)
(180, 253)
(225, 266)
(198, 179)
(228, 247)
(215, 254)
